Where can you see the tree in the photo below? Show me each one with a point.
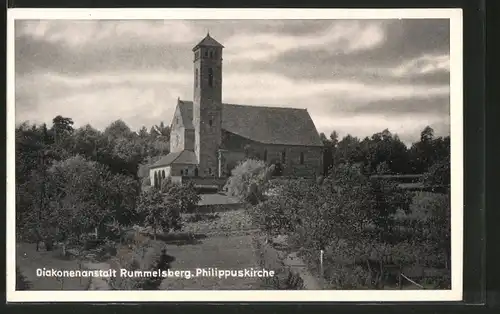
(427, 151)
(163, 130)
(118, 129)
(348, 150)
(89, 142)
(78, 197)
(329, 152)
(184, 195)
(427, 135)
(159, 211)
(143, 132)
(439, 173)
(387, 200)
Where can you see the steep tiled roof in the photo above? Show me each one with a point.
(268, 125)
(208, 42)
(184, 157)
(186, 113)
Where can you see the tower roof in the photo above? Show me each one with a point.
(208, 42)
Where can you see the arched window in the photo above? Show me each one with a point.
(209, 171)
(196, 78)
(196, 171)
(211, 54)
(210, 77)
(156, 183)
(265, 154)
(159, 179)
(301, 158)
(206, 53)
(182, 172)
(283, 157)
(163, 174)
(210, 122)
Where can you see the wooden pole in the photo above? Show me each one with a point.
(321, 254)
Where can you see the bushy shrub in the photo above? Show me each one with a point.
(248, 180)
(159, 211)
(185, 195)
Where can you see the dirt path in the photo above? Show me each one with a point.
(297, 265)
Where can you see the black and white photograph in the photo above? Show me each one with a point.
(238, 155)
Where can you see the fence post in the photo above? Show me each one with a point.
(321, 263)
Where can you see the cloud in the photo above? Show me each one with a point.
(90, 33)
(339, 37)
(353, 76)
(426, 64)
(404, 41)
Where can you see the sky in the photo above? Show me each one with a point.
(356, 77)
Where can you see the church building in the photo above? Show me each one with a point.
(208, 137)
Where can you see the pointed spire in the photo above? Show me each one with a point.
(208, 41)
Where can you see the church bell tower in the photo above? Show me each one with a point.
(207, 104)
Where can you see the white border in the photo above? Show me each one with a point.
(456, 111)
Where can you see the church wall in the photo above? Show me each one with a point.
(231, 160)
(159, 173)
(175, 170)
(177, 133)
(292, 166)
(183, 170)
(239, 147)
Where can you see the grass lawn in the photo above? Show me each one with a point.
(228, 221)
(28, 260)
(222, 248)
(231, 253)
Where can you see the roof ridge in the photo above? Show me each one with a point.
(269, 107)
(255, 106)
(179, 155)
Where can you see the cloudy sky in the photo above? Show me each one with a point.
(353, 76)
